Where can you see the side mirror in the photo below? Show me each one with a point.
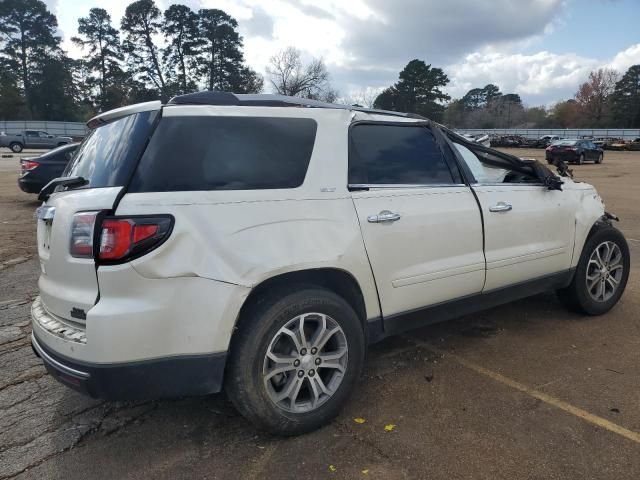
(50, 136)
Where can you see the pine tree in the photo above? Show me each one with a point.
(181, 32)
(626, 99)
(103, 58)
(27, 33)
(141, 22)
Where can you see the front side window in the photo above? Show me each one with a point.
(226, 153)
(396, 155)
(482, 172)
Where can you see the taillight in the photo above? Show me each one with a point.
(120, 239)
(82, 234)
(26, 165)
(125, 238)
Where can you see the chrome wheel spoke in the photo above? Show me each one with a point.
(327, 334)
(294, 338)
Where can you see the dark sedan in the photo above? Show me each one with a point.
(574, 151)
(36, 172)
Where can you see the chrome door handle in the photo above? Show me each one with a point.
(501, 207)
(383, 216)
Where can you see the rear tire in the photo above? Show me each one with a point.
(16, 147)
(580, 159)
(599, 282)
(600, 158)
(302, 395)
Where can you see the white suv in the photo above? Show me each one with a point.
(259, 243)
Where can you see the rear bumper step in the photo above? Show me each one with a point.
(144, 380)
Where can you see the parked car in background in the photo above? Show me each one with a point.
(36, 172)
(173, 268)
(514, 141)
(574, 151)
(545, 141)
(32, 139)
(633, 145)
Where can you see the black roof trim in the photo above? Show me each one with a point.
(272, 100)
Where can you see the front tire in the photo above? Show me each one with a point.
(600, 158)
(295, 358)
(580, 159)
(601, 275)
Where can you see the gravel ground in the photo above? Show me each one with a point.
(527, 390)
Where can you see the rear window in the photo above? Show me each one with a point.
(566, 142)
(400, 155)
(107, 156)
(226, 153)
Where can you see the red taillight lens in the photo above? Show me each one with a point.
(28, 165)
(122, 239)
(82, 234)
(142, 232)
(115, 239)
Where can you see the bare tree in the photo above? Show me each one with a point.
(364, 97)
(593, 96)
(290, 76)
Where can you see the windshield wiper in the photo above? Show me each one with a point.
(69, 182)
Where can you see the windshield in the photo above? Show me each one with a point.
(108, 155)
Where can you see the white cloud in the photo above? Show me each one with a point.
(535, 76)
(365, 43)
(626, 58)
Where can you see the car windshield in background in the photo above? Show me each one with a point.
(107, 157)
(568, 143)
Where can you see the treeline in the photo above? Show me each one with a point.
(38, 80)
(605, 100)
(153, 54)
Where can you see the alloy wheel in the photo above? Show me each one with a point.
(305, 362)
(604, 271)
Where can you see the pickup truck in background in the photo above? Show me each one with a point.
(32, 139)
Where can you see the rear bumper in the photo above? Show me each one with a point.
(149, 379)
(564, 156)
(30, 185)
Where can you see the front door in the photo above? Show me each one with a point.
(421, 226)
(529, 229)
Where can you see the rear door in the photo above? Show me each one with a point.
(529, 229)
(421, 225)
(68, 283)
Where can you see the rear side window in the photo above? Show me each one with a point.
(226, 153)
(390, 154)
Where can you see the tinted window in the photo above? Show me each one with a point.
(388, 154)
(226, 153)
(109, 153)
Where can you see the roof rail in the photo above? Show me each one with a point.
(272, 100)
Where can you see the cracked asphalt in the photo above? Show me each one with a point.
(526, 390)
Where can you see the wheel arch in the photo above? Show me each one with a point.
(337, 280)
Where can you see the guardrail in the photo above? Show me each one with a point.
(69, 129)
(624, 133)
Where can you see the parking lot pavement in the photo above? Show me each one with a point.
(526, 390)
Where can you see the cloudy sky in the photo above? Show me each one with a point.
(541, 49)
